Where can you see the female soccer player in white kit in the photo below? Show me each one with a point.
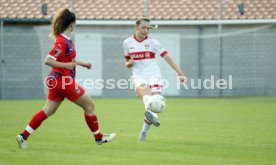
(140, 52)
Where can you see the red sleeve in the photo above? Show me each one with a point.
(57, 50)
(164, 53)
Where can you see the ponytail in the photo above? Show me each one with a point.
(61, 21)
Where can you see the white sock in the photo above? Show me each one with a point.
(29, 129)
(145, 100)
(146, 126)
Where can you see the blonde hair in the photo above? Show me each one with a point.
(63, 18)
(144, 18)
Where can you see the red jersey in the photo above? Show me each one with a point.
(63, 51)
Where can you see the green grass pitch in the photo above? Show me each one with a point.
(193, 131)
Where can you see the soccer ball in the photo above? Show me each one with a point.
(157, 103)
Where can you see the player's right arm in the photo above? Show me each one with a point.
(129, 60)
(54, 54)
(56, 64)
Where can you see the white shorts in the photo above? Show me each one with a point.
(155, 82)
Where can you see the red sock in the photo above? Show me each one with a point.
(35, 122)
(92, 123)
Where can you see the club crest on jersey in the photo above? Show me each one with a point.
(147, 47)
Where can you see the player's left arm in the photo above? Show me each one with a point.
(83, 64)
(180, 74)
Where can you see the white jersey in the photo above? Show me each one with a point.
(143, 53)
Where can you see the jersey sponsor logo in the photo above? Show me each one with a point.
(133, 56)
(132, 48)
(142, 55)
(147, 55)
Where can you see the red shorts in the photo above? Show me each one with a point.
(58, 90)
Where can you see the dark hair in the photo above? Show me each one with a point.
(61, 21)
(144, 18)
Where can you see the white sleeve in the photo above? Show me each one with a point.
(126, 51)
(158, 49)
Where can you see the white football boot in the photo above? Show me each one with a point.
(21, 142)
(106, 138)
(153, 118)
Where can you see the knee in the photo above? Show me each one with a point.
(48, 111)
(89, 109)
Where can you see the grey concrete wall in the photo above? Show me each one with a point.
(22, 68)
(248, 53)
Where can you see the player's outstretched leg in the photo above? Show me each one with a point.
(49, 109)
(148, 120)
(35, 122)
(146, 124)
(153, 118)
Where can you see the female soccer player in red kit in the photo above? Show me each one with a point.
(61, 81)
(140, 52)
